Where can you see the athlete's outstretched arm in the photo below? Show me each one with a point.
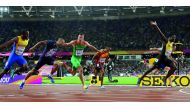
(69, 43)
(38, 44)
(15, 39)
(162, 34)
(92, 47)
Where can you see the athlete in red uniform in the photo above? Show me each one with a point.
(99, 59)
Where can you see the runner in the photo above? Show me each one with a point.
(99, 60)
(78, 48)
(16, 56)
(165, 56)
(47, 57)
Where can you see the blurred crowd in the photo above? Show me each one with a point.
(122, 34)
(134, 68)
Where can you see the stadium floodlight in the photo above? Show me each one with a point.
(105, 15)
(52, 15)
(27, 10)
(134, 8)
(1, 9)
(79, 11)
(5, 9)
(162, 10)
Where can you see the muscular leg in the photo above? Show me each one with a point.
(95, 72)
(147, 72)
(76, 67)
(80, 70)
(21, 69)
(30, 73)
(69, 69)
(54, 69)
(33, 71)
(170, 72)
(102, 76)
(73, 72)
(3, 72)
(11, 60)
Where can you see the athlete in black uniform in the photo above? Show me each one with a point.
(47, 57)
(165, 56)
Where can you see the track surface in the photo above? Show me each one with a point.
(74, 93)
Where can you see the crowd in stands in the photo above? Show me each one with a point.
(122, 34)
(133, 68)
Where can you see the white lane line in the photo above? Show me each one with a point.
(112, 96)
(182, 91)
(127, 98)
(105, 85)
(108, 98)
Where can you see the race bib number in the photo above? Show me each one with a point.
(102, 60)
(79, 52)
(51, 52)
(168, 53)
(20, 50)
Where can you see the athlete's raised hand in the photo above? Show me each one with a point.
(153, 23)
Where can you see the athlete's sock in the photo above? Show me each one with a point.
(24, 81)
(51, 78)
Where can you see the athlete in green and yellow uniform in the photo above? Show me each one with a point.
(77, 55)
(78, 48)
(19, 44)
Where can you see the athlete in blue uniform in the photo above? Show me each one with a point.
(47, 57)
(16, 56)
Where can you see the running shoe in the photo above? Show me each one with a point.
(85, 87)
(22, 85)
(102, 87)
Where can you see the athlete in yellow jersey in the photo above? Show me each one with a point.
(165, 58)
(19, 44)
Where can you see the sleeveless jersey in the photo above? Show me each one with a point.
(78, 50)
(20, 46)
